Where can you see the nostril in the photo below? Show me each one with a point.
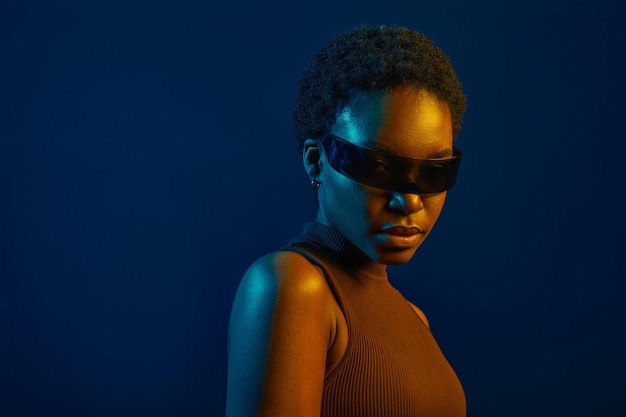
(406, 203)
(397, 202)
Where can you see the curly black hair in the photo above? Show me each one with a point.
(370, 59)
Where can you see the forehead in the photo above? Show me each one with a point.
(404, 121)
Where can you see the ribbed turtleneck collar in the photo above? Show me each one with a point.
(330, 239)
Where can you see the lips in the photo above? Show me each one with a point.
(402, 230)
(401, 237)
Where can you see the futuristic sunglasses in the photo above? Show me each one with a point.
(391, 172)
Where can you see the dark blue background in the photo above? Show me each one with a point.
(147, 160)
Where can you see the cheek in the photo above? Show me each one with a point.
(343, 197)
(434, 205)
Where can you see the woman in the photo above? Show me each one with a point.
(316, 328)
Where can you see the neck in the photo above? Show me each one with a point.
(328, 237)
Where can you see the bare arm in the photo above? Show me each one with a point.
(280, 330)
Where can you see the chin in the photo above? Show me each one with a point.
(396, 257)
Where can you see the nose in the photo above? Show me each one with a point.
(406, 203)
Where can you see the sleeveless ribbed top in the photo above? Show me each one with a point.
(392, 366)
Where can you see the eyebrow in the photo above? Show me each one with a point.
(444, 153)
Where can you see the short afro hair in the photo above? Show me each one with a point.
(370, 59)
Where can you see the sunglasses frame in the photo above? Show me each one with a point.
(391, 172)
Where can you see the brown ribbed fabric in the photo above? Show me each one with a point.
(392, 366)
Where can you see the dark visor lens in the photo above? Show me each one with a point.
(390, 172)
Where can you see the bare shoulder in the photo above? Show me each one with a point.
(281, 326)
(284, 273)
(420, 313)
(275, 282)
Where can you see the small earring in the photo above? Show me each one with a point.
(315, 184)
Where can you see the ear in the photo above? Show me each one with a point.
(311, 154)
